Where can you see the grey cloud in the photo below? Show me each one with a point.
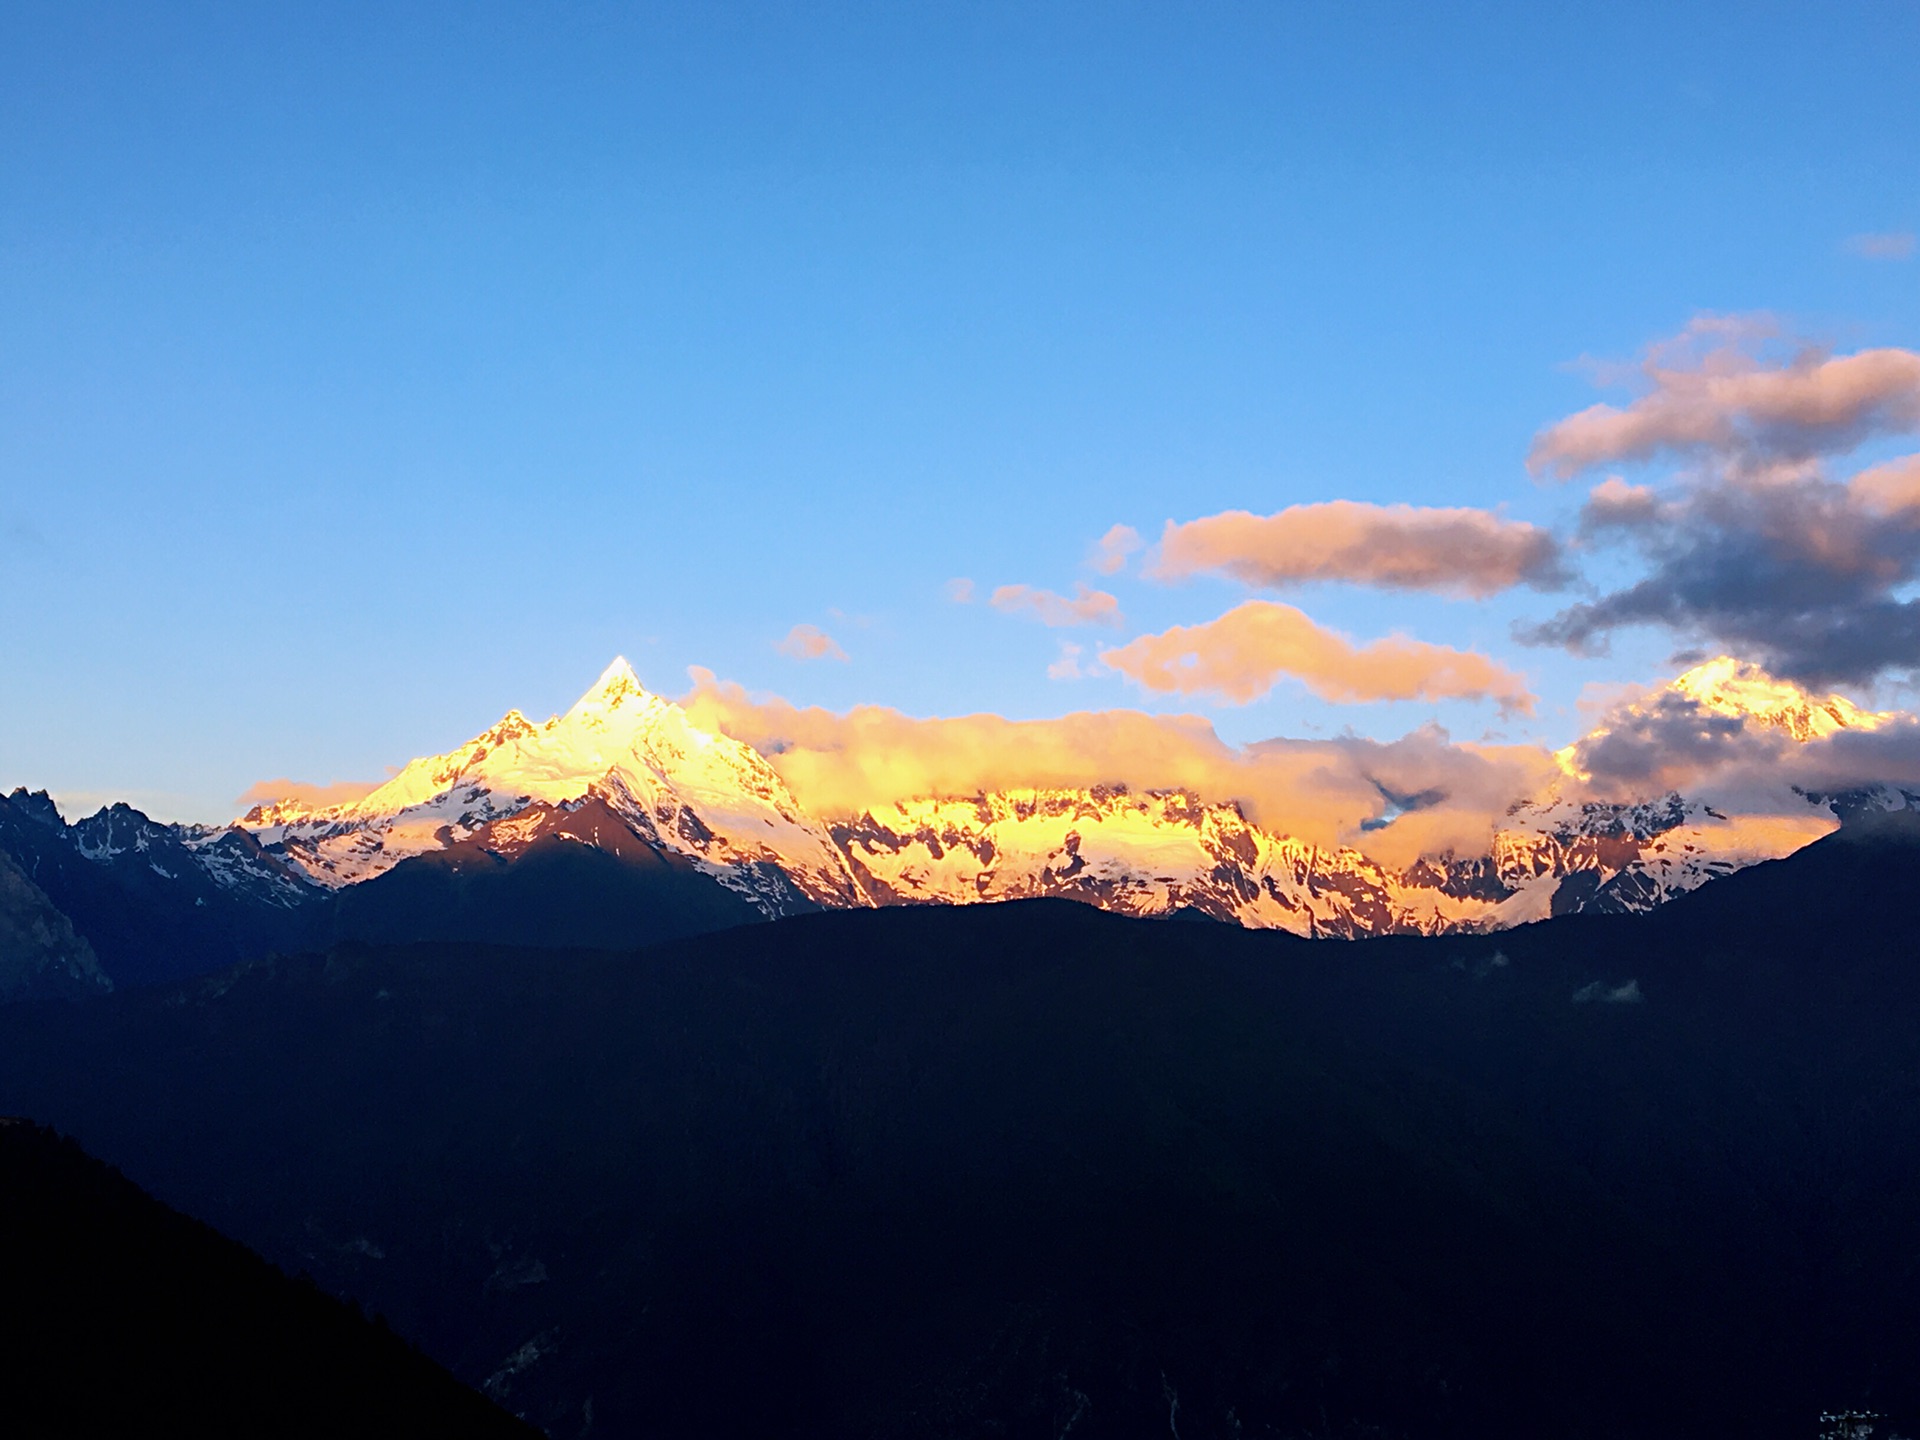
(1670, 735)
(1671, 742)
(1627, 994)
(1802, 575)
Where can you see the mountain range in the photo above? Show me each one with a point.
(622, 822)
(1032, 1169)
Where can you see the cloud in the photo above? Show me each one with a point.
(1403, 547)
(1111, 550)
(1243, 654)
(1068, 666)
(1882, 245)
(1803, 574)
(1719, 389)
(960, 591)
(1669, 742)
(1087, 607)
(341, 792)
(1422, 794)
(1322, 791)
(1754, 547)
(1614, 504)
(1627, 994)
(810, 642)
(1890, 489)
(1760, 740)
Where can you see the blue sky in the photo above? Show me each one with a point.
(363, 374)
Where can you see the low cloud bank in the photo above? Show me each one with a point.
(341, 792)
(1434, 794)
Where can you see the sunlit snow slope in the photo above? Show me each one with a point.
(720, 804)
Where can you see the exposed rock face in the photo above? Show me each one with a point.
(40, 955)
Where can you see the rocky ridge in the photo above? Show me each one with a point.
(719, 804)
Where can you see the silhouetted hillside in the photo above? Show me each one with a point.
(122, 1317)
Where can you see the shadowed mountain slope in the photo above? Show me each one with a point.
(1019, 1169)
(123, 1317)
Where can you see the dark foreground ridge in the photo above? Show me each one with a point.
(1034, 1170)
(122, 1317)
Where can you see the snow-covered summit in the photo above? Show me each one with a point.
(720, 804)
(1725, 686)
(685, 789)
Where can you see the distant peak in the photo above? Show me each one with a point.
(1728, 686)
(38, 805)
(615, 673)
(513, 725)
(617, 686)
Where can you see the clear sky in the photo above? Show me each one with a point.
(368, 370)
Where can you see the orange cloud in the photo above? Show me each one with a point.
(1403, 547)
(1111, 550)
(810, 642)
(1712, 389)
(1244, 653)
(341, 792)
(1087, 607)
(1323, 792)
(1889, 489)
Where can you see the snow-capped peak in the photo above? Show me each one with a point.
(1726, 686)
(687, 790)
(1733, 689)
(616, 686)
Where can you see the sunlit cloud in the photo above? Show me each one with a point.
(1084, 607)
(1455, 551)
(810, 642)
(1891, 490)
(1423, 794)
(1754, 546)
(1883, 245)
(960, 590)
(1113, 549)
(341, 792)
(1717, 388)
(1246, 652)
(1068, 666)
(1733, 726)
(1322, 791)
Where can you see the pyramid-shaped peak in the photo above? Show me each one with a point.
(616, 683)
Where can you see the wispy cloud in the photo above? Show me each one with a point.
(1454, 551)
(1068, 666)
(1627, 994)
(1084, 607)
(1243, 654)
(960, 590)
(1112, 550)
(1882, 245)
(810, 642)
